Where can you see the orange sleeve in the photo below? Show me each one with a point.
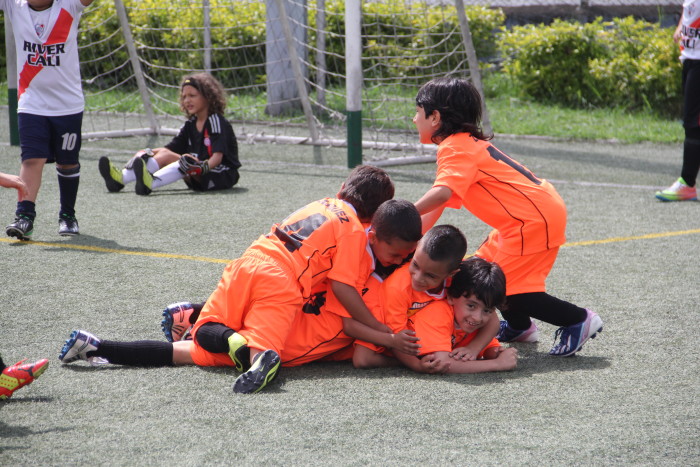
(433, 325)
(456, 171)
(397, 295)
(348, 265)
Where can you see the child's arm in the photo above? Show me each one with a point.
(431, 363)
(678, 34)
(432, 204)
(504, 359)
(13, 181)
(348, 296)
(215, 159)
(404, 341)
(434, 198)
(483, 336)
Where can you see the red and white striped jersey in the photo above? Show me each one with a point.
(48, 67)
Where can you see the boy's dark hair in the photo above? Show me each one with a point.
(481, 278)
(210, 88)
(397, 218)
(459, 104)
(366, 188)
(445, 243)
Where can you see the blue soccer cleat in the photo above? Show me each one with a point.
(508, 334)
(571, 338)
(176, 321)
(77, 347)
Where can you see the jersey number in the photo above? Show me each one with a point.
(499, 156)
(69, 140)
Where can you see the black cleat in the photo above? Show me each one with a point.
(68, 225)
(22, 228)
(111, 174)
(263, 371)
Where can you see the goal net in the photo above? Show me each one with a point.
(134, 54)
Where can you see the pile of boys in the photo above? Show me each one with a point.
(322, 285)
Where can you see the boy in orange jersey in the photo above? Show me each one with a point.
(527, 214)
(457, 330)
(238, 320)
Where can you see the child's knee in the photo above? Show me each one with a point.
(362, 358)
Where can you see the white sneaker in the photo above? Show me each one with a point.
(77, 347)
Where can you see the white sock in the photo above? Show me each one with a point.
(167, 175)
(151, 165)
(128, 175)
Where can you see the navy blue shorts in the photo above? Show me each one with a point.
(56, 139)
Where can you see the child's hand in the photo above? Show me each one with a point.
(406, 342)
(13, 181)
(507, 358)
(464, 354)
(431, 363)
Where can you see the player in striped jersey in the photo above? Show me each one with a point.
(50, 106)
(204, 153)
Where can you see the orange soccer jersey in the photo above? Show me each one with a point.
(323, 240)
(260, 293)
(528, 213)
(397, 303)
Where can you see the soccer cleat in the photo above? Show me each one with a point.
(263, 371)
(77, 347)
(111, 174)
(239, 351)
(176, 321)
(144, 179)
(508, 334)
(679, 191)
(68, 225)
(19, 375)
(22, 228)
(571, 338)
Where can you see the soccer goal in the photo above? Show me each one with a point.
(322, 72)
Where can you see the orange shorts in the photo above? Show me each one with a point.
(524, 274)
(258, 298)
(314, 337)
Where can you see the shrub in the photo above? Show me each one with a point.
(626, 63)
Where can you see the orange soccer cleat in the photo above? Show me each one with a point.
(19, 375)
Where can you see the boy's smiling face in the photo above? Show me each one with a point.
(427, 274)
(470, 312)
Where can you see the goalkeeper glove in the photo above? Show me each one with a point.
(190, 165)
